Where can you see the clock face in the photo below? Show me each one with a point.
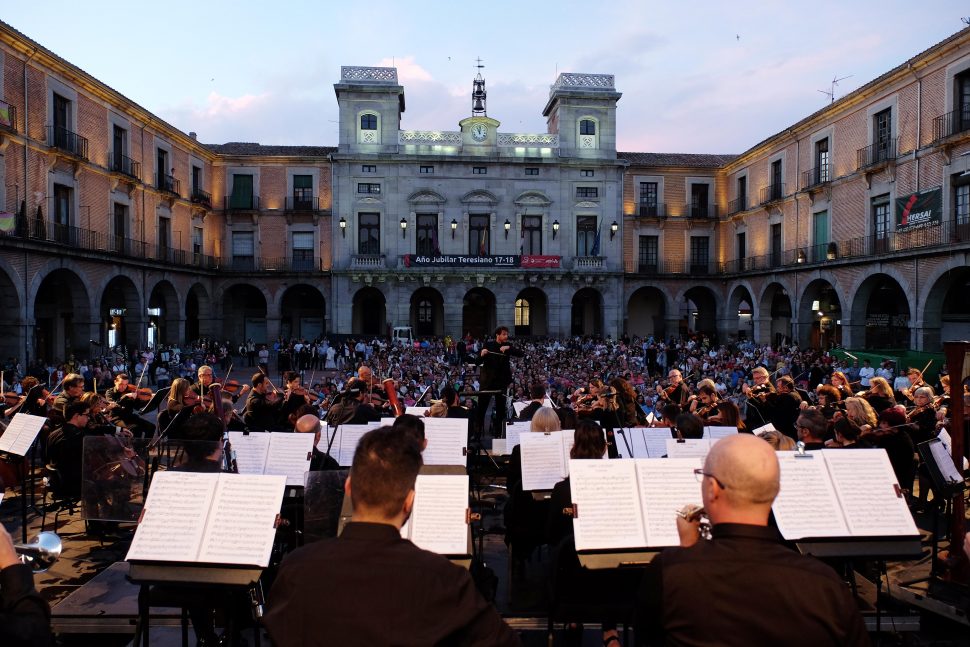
(479, 132)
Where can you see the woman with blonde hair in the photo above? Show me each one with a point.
(545, 419)
(880, 395)
(861, 412)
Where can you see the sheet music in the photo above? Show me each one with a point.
(690, 448)
(512, 433)
(638, 445)
(241, 524)
(665, 486)
(447, 439)
(944, 460)
(609, 512)
(866, 487)
(498, 447)
(656, 440)
(250, 451)
(174, 517)
(289, 455)
(568, 440)
(651, 418)
(944, 437)
(21, 433)
(519, 406)
(438, 520)
(718, 432)
(806, 505)
(416, 411)
(543, 464)
(760, 431)
(324, 437)
(348, 437)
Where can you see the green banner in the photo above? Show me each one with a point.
(919, 210)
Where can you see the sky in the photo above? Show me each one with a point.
(698, 76)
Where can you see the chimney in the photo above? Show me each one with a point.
(193, 135)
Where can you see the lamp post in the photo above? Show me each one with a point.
(404, 228)
(613, 229)
(555, 229)
(508, 227)
(454, 228)
(343, 227)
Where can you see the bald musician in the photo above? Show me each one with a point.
(701, 593)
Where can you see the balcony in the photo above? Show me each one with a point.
(302, 203)
(700, 211)
(652, 210)
(876, 154)
(63, 139)
(771, 193)
(8, 117)
(241, 203)
(368, 261)
(951, 123)
(738, 205)
(168, 184)
(118, 163)
(589, 262)
(813, 177)
(202, 198)
(290, 264)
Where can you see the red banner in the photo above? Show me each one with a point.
(539, 261)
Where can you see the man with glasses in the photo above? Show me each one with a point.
(677, 392)
(812, 428)
(707, 591)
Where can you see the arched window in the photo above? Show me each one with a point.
(587, 127)
(368, 122)
(521, 312)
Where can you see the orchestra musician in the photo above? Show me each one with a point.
(840, 382)
(706, 403)
(739, 482)
(537, 395)
(630, 413)
(922, 416)
(72, 388)
(65, 448)
(727, 414)
(880, 395)
(207, 378)
(171, 420)
(263, 405)
(829, 400)
(757, 414)
(784, 406)
(122, 404)
(496, 375)
(915, 382)
(294, 397)
(677, 391)
(450, 397)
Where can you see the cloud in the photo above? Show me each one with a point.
(407, 70)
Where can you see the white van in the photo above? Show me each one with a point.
(402, 336)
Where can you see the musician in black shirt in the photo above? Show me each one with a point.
(496, 363)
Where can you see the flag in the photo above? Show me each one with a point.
(483, 246)
(596, 244)
(7, 222)
(434, 242)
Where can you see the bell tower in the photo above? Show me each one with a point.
(478, 92)
(479, 132)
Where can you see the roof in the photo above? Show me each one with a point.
(252, 148)
(690, 160)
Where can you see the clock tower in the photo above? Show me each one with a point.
(479, 129)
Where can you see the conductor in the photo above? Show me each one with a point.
(496, 373)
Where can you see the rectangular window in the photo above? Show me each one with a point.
(303, 192)
(880, 224)
(198, 247)
(243, 250)
(426, 170)
(532, 235)
(166, 181)
(961, 211)
(821, 162)
(242, 192)
(648, 199)
(741, 245)
(587, 237)
(742, 193)
(119, 149)
(121, 229)
(196, 179)
(777, 189)
(699, 196)
(427, 234)
(531, 170)
(649, 246)
(586, 172)
(369, 233)
(62, 115)
(62, 214)
(368, 168)
(368, 187)
(700, 247)
(479, 170)
(882, 132)
(587, 192)
(302, 250)
(164, 238)
(776, 245)
(479, 243)
(820, 236)
(962, 94)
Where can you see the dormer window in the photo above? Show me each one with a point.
(368, 122)
(587, 127)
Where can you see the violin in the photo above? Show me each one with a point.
(232, 387)
(141, 394)
(304, 392)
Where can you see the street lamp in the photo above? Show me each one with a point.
(508, 227)
(555, 229)
(454, 228)
(404, 228)
(343, 227)
(613, 229)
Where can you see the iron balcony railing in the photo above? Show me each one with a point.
(123, 164)
(700, 211)
(738, 205)
(951, 123)
(652, 209)
(279, 264)
(771, 193)
(241, 203)
(8, 117)
(302, 203)
(168, 184)
(817, 176)
(67, 141)
(201, 197)
(875, 154)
